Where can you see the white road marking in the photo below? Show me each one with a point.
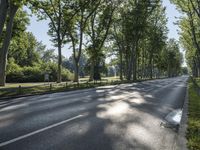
(39, 131)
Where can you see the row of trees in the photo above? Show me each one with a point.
(133, 32)
(190, 32)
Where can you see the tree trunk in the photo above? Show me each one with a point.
(6, 43)
(91, 71)
(130, 66)
(143, 64)
(59, 75)
(135, 61)
(121, 65)
(76, 72)
(135, 67)
(3, 14)
(169, 71)
(127, 64)
(151, 66)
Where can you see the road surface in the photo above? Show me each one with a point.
(121, 117)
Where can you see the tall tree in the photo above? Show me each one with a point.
(3, 14)
(77, 30)
(14, 5)
(190, 26)
(59, 13)
(98, 30)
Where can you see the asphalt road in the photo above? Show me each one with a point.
(121, 117)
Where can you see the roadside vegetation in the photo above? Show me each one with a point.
(26, 89)
(107, 38)
(23, 89)
(189, 40)
(193, 134)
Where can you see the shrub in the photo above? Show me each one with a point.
(17, 74)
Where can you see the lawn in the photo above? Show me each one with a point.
(19, 89)
(193, 134)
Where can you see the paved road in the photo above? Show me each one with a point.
(122, 117)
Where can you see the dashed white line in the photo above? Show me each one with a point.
(39, 131)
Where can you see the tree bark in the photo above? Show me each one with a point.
(121, 64)
(76, 72)
(151, 65)
(135, 60)
(91, 71)
(3, 14)
(135, 67)
(130, 66)
(59, 74)
(6, 43)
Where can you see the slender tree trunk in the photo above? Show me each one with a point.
(143, 63)
(127, 64)
(169, 71)
(92, 71)
(135, 61)
(130, 66)
(198, 67)
(76, 72)
(3, 14)
(135, 67)
(6, 43)
(138, 66)
(59, 75)
(121, 65)
(196, 70)
(151, 66)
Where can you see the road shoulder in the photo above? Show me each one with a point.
(181, 138)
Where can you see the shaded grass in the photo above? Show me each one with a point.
(21, 89)
(193, 134)
(29, 89)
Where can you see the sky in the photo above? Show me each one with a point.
(40, 28)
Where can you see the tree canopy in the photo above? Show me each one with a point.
(131, 34)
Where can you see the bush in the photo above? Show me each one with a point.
(14, 72)
(17, 74)
(33, 74)
(66, 75)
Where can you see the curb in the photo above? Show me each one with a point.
(181, 135)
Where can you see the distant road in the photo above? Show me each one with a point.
(122, 117)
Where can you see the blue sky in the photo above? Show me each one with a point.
(40, 28)
(172, 13)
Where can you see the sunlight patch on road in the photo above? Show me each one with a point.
(139, 133)
(137, 98)
(113, 110)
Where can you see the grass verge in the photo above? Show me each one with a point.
(193, 133)
(22, 89)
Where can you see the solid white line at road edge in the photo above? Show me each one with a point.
(39, 131)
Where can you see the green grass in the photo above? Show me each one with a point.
(193, 134)
(39, 88)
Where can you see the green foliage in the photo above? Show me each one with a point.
(193, 134)
(133, 32)
(189, 34)
(25, 47)
(35, 73)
